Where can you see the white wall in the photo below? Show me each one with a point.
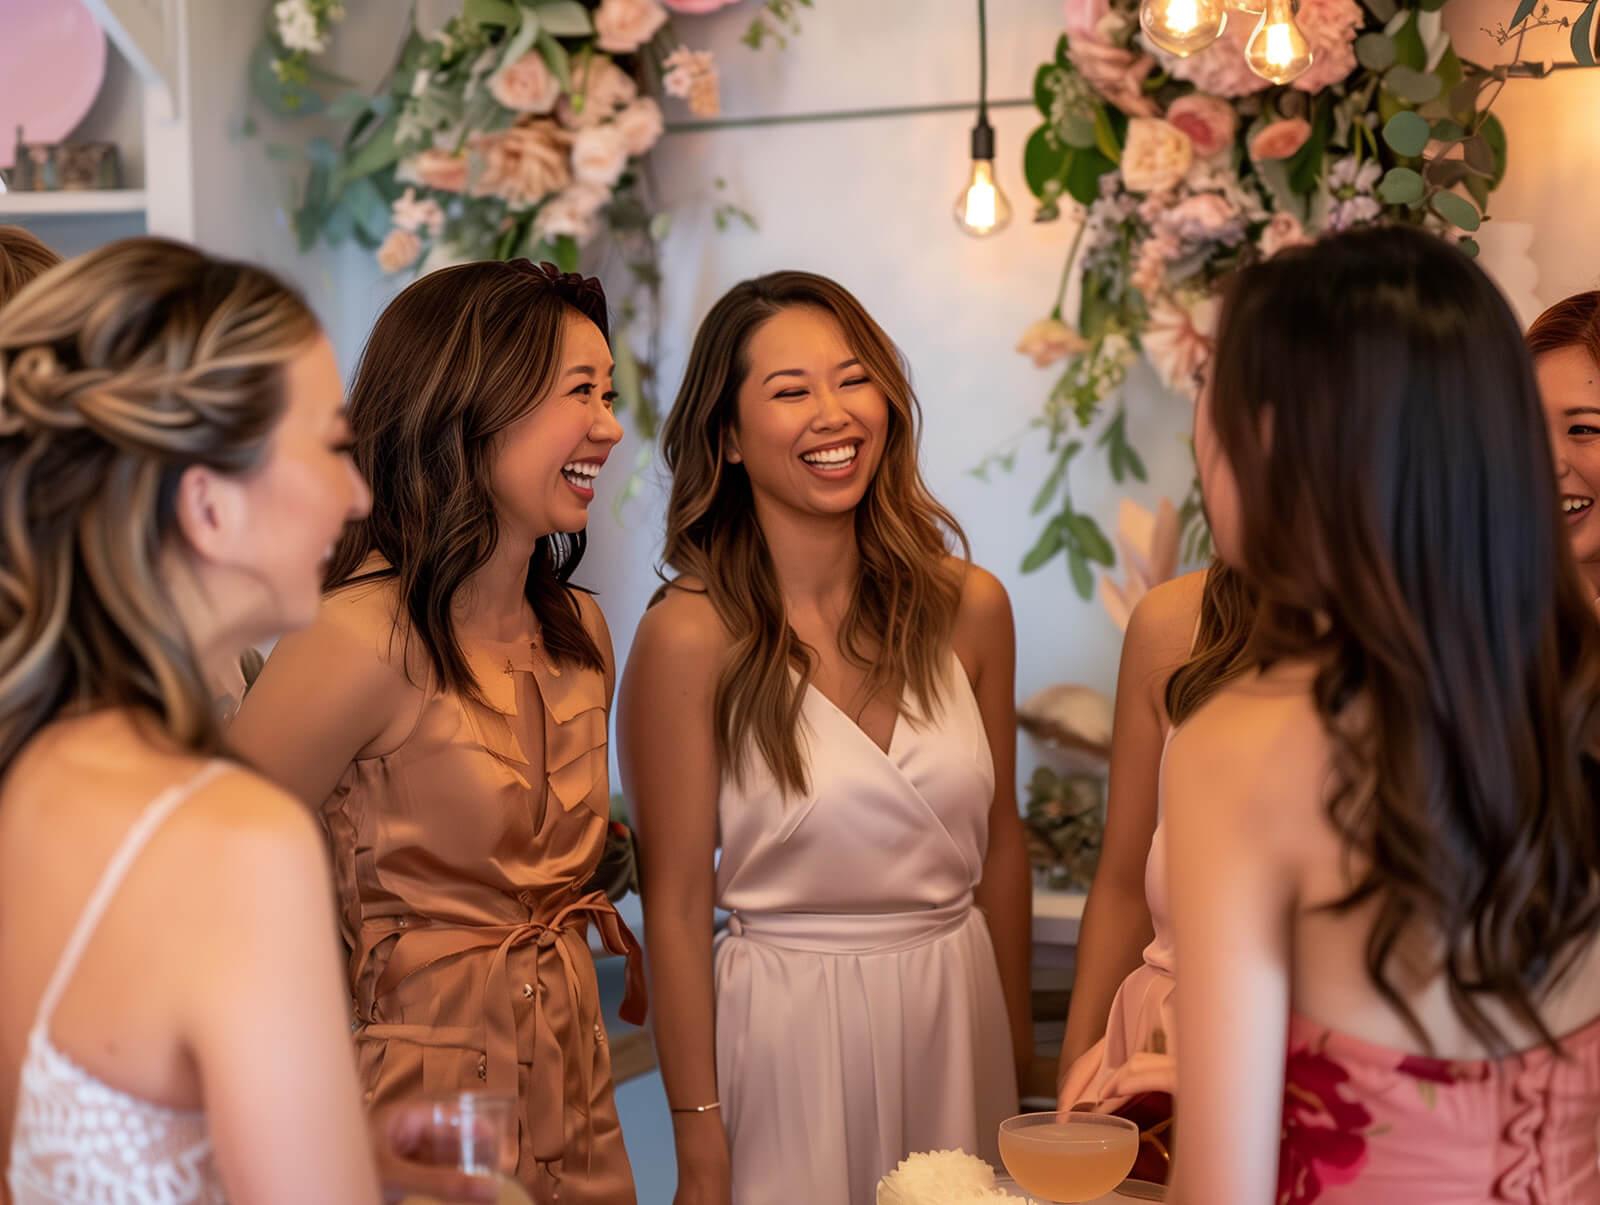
(869, 203)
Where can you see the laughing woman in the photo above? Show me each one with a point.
(1565, 342)
(448, 714)
(826, 692)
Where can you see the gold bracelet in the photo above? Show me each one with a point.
(716, 1104)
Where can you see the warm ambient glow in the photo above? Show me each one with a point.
(982, 208)
(1277, 50)
(1183, 27)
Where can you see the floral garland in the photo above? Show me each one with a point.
(518, 128)
(1181, 170)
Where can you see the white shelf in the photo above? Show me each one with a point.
(1057, 916)
(71, 203)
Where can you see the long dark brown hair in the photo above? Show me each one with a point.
(1378, 410)
(904, 607)
(458, 357)
(119, 371)
(1219, 654)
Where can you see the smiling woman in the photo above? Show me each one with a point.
(448, 714)
(1565, 342)
(826, 690)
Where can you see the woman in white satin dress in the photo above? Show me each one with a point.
(826, 693)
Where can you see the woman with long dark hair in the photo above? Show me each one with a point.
(447, 714)
(1383, 840)
(824, 690)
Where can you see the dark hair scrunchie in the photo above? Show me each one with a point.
(583, 293)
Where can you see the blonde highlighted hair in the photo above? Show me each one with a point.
(119, 371)
(22, 257)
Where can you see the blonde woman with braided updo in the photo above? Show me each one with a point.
(22, 257)
(172, 476)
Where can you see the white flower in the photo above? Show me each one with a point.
(1350, 187)
(934, 1178)
(640, 125)
(1178, 340)
(297, 26)
(416, 216)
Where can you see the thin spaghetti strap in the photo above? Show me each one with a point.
(138, 836)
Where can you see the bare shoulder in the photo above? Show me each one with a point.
(1255, 753)
(254, 830)
(594, 618)
(355, 633)
(681, 629)
(984, 599)
(1165, 618)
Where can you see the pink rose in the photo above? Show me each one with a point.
(1210, 122)
(436, 169)
(401, 249)
(527, 85)
(1156, 155)
(604, 87)
(1116, 74)
(1202, 218)
(1331, 27)
(1220, 69)
(599, 155)
(692, 74)
(572, 213)
(622, 26)
(1282, 139)
(1150, 262)
(1178, 341)
(640, 125)
(1049, 340)
(1083, 19)
(1283, 231)
(524, 164)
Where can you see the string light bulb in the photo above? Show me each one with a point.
(1277, 50)
(1183, 27)
(982, 208)
(1254, 7)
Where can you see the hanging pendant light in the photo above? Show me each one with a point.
(982, 209)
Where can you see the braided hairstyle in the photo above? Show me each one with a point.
(119, 370)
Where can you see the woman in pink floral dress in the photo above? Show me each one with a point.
(1383, 842)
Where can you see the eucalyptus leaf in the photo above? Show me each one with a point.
(376, 153)
(1479, 158)
(1401, 186)
(1446, 131)
(1478, 187)
(1583, 36)
(1045, 86)
(1414, 87)
(564, 18)
(1045, 547)
(491, 12)
(1375, 51)
(367, 206)
(1410, 51)
(522, 42)
(1406, 134)
(1052, 484)
(1493, 133)
(1456, 210)
(1450, 69)
(348, 106)
(1082, 577)
(1090, 539)
(1445, 173)
(1464, 97)
(556, 58)
(1469, 247)
(1524, 11)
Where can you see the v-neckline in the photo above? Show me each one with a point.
(886, 750)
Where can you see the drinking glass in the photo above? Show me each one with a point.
(1068, 1157)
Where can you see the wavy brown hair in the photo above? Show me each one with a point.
(459, 356)
(119, 371)
(1374, 400)
(1572, 322)
(22, 257)
(904, 606)
(1219, 654)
